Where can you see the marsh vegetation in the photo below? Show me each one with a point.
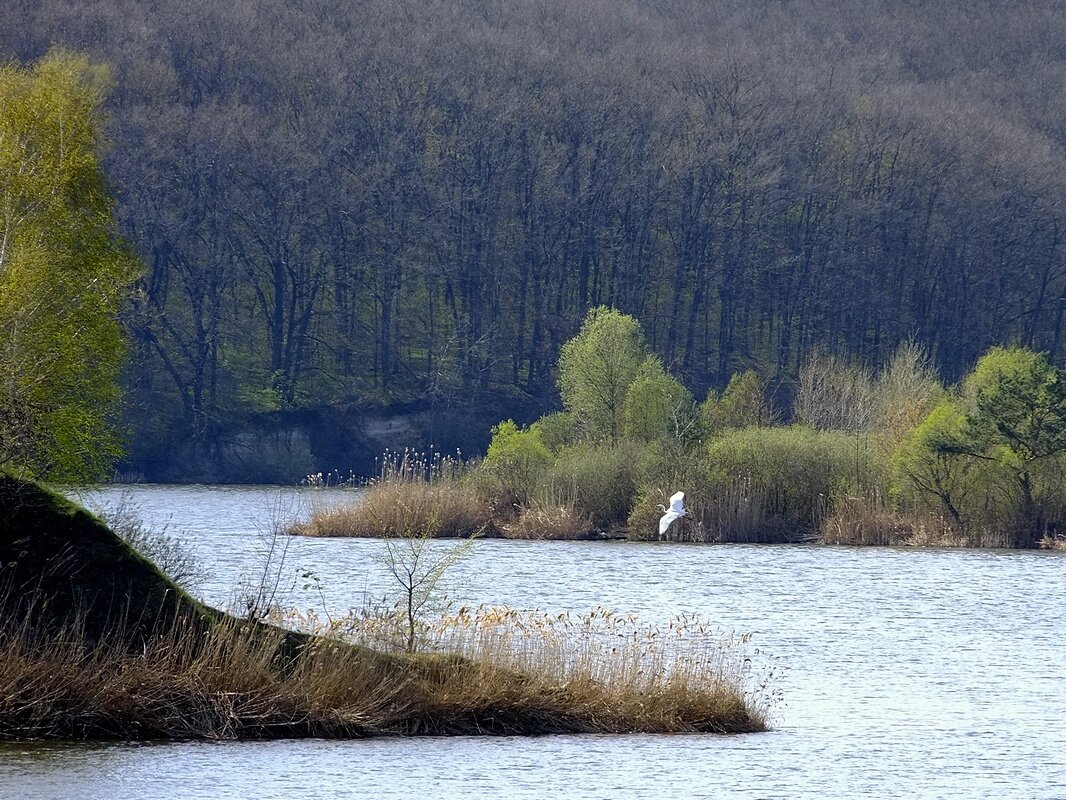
(868, 455)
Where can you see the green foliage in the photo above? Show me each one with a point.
(666, 467)
(596, 369)
(1016, 404)
(599, 481)
(991, 457)
(658, 406)
(743, 404)
(63, 273)
(794, 471)
(924, 461)
(556, 430)
(518, 459)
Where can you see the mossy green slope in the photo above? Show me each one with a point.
(59, 564)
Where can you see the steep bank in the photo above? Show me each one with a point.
(285, 446)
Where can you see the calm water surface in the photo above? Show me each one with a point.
(904, 673)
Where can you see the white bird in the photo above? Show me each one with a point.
(676, 510)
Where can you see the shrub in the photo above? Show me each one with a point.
(927, 472)
(597, 481)
(834, 394)
(743, 404)
(169, 551)
(665, 468)
(907, 389)
(992, 455)
(547, 521)
(518, 460)
(556, 430)
(792, 473)
(657, 406)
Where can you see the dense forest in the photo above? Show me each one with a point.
(400, 204)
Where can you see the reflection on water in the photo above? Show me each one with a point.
(905, 674)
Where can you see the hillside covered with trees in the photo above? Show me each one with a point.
(413, 204)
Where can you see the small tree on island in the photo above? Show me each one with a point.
(417, 567)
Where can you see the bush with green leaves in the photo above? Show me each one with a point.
(921, 469)
(667, 467)
(793, 473)
(743, 404)
(599, 481)
(518, 460)
(556, 430)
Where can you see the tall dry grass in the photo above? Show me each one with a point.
(224, 684)
(414, 492)
(555, 521)
(870, 519)
(602, 671)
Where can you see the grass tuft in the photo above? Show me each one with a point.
(394, 509)
(551, 521)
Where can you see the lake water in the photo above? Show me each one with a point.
(903, 673)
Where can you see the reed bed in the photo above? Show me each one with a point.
(603, 671)
(415, 492)
(869, 519)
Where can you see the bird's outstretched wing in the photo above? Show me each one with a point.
(666, 521)
(677, 503)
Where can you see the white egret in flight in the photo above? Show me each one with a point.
(676, 510)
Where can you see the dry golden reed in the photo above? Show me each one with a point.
(547, 521)
(605, 672)
(869, 520)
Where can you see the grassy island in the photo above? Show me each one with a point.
(96, 643)
(886, 456)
